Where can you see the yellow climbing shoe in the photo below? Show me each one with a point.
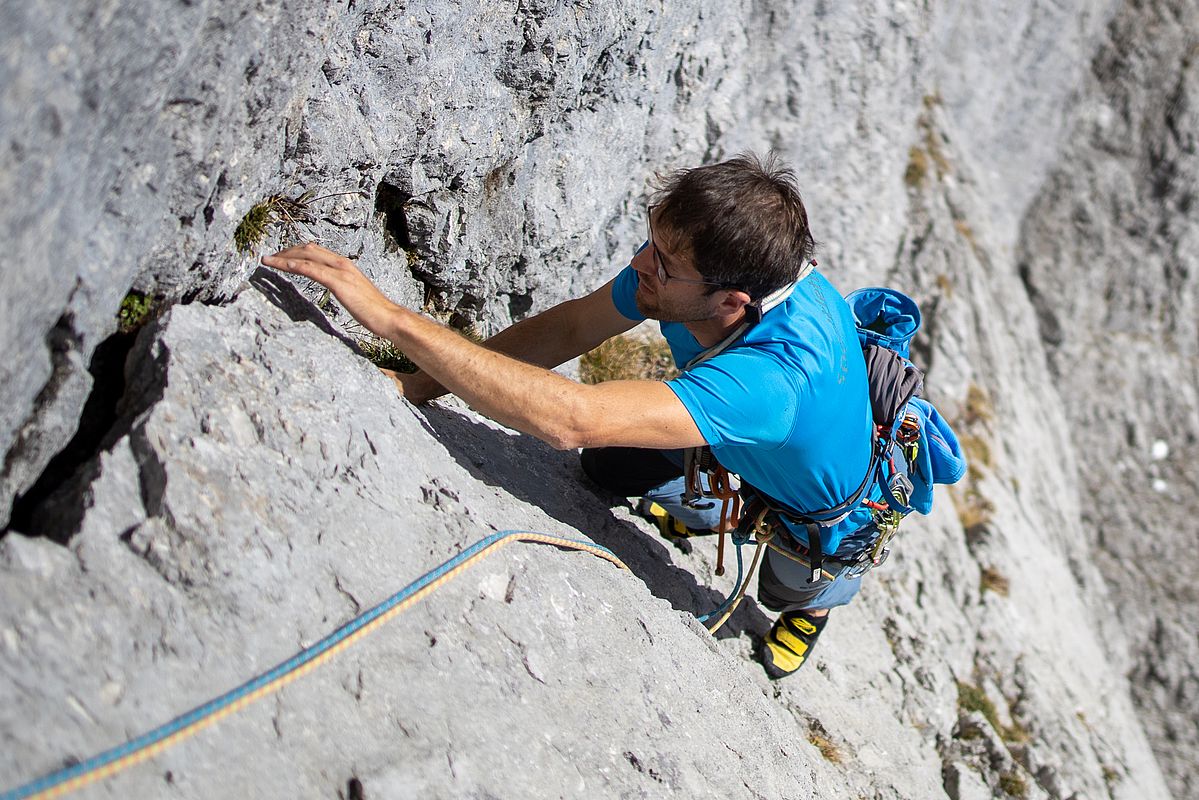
(668, 526)
(789, 642)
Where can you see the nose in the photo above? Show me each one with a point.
(643, 261)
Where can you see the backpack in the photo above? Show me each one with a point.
(913, 448)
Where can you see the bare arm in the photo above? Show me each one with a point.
(548, 339)
(525, 396)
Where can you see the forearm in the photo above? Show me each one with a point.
(524, 396)
(545, 340)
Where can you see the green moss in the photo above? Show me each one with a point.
(135, 311)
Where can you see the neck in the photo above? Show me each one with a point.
(709, 332)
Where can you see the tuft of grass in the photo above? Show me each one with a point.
(966, 232)
(1013, 785)
(830, 751)
(254, 227)
(978, 407)
(993, 580)
(973, 698)
(1015, 733)
(932, 143)
(1110, 775)
(977, 451)
(917, 172)
(628, 358)
(974, 511)
(945, 285)
(289, 214)
(135, 311)
(385, 355)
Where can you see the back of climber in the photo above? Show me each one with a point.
(773, 380)
(784, 405)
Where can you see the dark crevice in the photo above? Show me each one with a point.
(60, 341)
(107, 369)
(389, 204)
(1047, 321)
(54, 506)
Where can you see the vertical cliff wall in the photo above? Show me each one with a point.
(187, 503)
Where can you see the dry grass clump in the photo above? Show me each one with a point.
(974, 511)
(1012, 784)
(827, 748)
(918, 165)
(978, 406)
(628, 358)
(385, 355)
(992, 580)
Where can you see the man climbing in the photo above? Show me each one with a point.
(773, 377)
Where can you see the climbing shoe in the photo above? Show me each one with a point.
(789, 642)
(668, 526)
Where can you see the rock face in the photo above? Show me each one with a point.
(192, 503)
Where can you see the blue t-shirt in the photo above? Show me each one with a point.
(786, 407)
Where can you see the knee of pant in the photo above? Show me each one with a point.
(589, 460)
(597, 466)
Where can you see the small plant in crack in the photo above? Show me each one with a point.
(135, 311)
(385, 355)
(289, 215)
(827, 748)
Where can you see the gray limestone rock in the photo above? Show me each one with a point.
(192, 504)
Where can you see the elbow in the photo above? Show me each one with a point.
(566, 438)
(575, 429)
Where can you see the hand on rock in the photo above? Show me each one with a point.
(342, 277)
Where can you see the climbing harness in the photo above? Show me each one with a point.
(150, 744)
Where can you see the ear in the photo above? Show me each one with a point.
(732, 302)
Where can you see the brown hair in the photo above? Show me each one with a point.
(741, 220)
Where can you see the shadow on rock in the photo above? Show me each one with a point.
(532, 471)
(283, 294)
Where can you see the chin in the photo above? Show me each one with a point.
(647, 308)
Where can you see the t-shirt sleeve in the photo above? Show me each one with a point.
(741, 398)
(624, 290)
